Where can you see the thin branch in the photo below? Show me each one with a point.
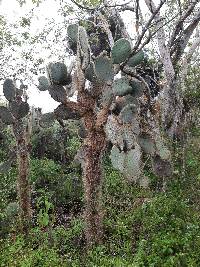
(83, 7)
(189, 55)
(118, 5)
(137, 16)
(163, 48)
(179, 23)
(146, 27)
(151, 35)
(183, 40)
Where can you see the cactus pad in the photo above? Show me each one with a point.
(65, 113)
(90, 74)
(137, 87)
(104, 69)
(47, 120)
(128, 163)
(121, 135)
(43, 83)
(9, 89)
(72, 32)
(121, 87)
(136, 59)
(128, 113)
(57, 73)
(161, 168)
(147, 144)
(19, 110)
(121, 51)
(6, 116)
(58, 93)
(162, 150)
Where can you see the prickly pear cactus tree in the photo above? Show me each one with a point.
(14, 114)
(108, 107)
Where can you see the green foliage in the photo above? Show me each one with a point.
(63, 186)
(7, 188)
(59, 249)
(169, 233)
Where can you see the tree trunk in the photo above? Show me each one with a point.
(24, 186)
(94, 146)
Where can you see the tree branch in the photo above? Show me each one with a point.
(181, 20)
(146, 27)
(83, 7)
(163, 48)
(183, 40)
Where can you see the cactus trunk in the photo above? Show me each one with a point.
(23, 186)
(94, 146)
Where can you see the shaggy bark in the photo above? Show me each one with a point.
(23, 186)
(93, 149)
(92, 178)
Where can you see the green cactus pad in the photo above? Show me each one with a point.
(19, 110)
(90, 74)
(43, 83)
(9, 89)
(121, 51)
(47, 120)
(136, 59)
(121, 87)
(128, 163)
(132, 164)
(58, 93)
(128, 113)
(83, 39)
(85, 47)
(147, 144)
(122, 135)
(106, 96)
(138, 87)
(104, 69)
(57, 74)
(162, 150)
(117, 158)
(72, 32)
(6, 116)
(65, 113)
